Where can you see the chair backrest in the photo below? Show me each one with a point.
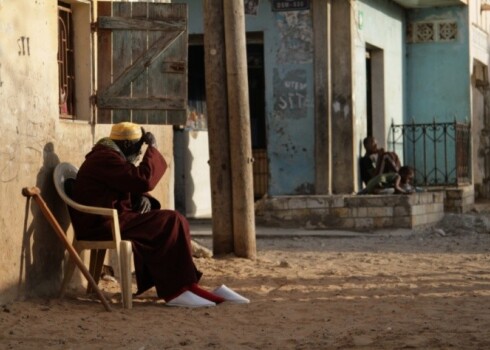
(61, 175)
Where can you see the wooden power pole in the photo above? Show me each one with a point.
(219, 140)
(240, 134)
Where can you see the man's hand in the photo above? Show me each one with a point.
(145, 205)
(149, 138)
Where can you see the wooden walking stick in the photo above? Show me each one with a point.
(36, 193)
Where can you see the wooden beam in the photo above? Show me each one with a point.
(218, 127)
(240, 134)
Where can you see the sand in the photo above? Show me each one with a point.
(399, 289)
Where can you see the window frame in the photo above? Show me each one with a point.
(82, 58)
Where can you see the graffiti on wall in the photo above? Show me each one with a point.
(24, 47)
(295, 37)
(291, 94)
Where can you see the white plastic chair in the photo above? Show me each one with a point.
(123, 249)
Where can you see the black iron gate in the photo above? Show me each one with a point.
(440, 153)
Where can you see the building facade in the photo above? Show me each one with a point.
(321, 78)
(40, 132)
(337, 71)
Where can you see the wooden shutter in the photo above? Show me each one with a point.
(141, 63)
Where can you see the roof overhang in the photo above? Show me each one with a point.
(429, 3)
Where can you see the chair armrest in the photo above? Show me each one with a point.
(109, 212)
(89, 209)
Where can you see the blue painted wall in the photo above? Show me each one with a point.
(288, 68)
(421, 81)
(438, 74)
(438, 90)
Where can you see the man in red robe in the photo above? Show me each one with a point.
(160, 238)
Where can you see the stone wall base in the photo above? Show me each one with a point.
(364, 212)
(459, 199)
(352, 212)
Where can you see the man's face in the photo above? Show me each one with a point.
(131, 149)
(134, 157)
(372, 146)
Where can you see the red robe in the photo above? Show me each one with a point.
(160, 238)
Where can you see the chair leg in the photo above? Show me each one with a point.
(96, 261)
(92, 261)
(126, 252)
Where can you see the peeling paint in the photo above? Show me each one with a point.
(295, 37)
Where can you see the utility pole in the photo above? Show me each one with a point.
(240, 134)
(218, 127)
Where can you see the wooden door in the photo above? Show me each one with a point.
(141, 62)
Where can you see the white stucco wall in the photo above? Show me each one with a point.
(381, 25)
(197, 189)
(34, 141)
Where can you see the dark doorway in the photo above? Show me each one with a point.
(256, 90)
(197, 115)
(256, 93)
(375, 94)
(369, 105)
(197, 88)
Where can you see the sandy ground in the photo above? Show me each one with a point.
(425, 289)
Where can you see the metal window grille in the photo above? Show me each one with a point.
(438, 152)
(66, 62)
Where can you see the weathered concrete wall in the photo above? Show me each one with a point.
(289, 93)
(343, 99)
(480, 97)
(459, 199)
(352, 212)
(480, 139)
(34, 141)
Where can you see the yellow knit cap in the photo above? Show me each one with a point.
(125, 131)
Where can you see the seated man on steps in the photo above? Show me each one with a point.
(160, 238)
(377, 161)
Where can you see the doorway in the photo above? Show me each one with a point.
(256, 85)
(375, 94)
(192, 168)
(256, 93)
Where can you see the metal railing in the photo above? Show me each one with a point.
(438, 152)
(66, 67)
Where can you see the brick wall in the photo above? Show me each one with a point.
(459, 200)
